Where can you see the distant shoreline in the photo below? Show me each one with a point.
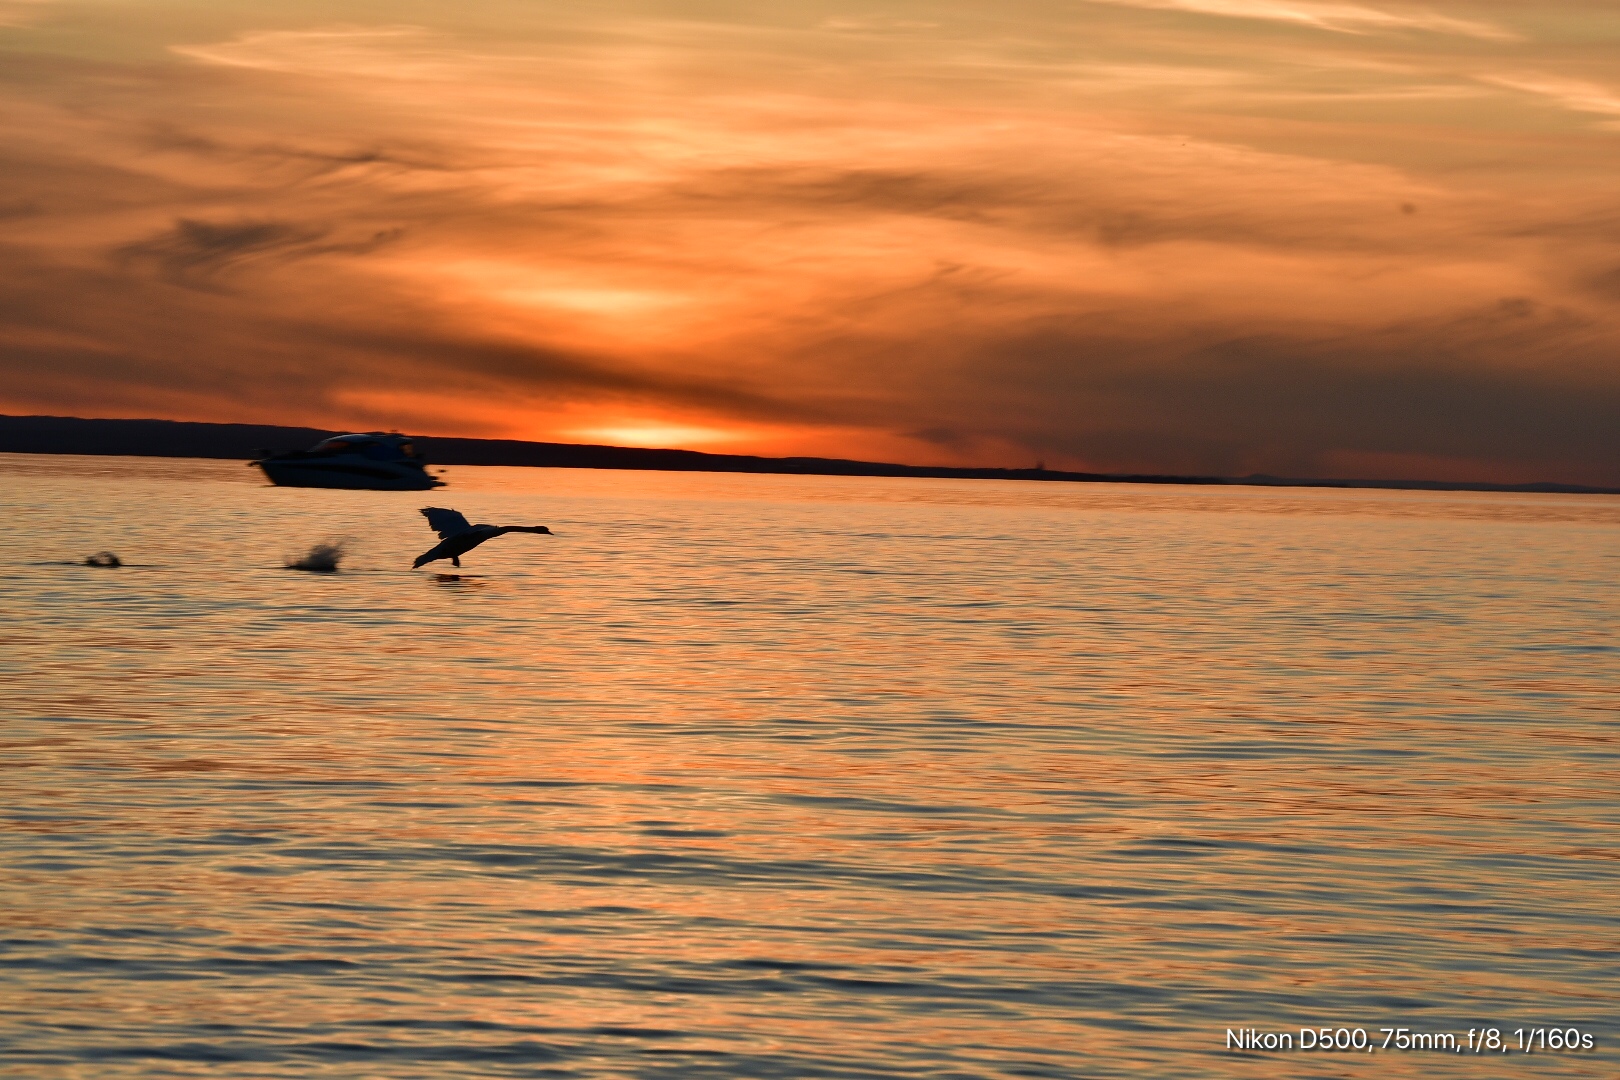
(176, 438)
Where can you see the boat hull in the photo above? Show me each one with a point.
(353, 475)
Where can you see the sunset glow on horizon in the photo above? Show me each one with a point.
(1297, 237)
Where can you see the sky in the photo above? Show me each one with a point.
(1299, 237)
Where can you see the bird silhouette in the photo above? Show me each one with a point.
(458, 537)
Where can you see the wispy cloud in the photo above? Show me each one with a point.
(875, 24)
(369, 51)
(196, 252)
(1575, 95)
(1339, 17)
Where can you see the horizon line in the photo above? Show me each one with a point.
(640, 457)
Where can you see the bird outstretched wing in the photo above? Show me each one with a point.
(446, 523)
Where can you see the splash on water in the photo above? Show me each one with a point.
(103, 558)
(321, 558)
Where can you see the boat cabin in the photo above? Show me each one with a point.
(379, 445)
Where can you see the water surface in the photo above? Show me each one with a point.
(754, 776)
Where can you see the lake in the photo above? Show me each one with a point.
(793, 776)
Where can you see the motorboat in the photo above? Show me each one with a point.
(376, 460)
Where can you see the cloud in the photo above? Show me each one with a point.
(278, 350)
(875, 24)
(312, 161)
(1292, 399)
(1576, 95)
(1135, 253)
(195, 252)
(367, 51)
(1339, 17)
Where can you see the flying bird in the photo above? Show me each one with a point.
(458, 537)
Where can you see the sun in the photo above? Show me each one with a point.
(653, 433)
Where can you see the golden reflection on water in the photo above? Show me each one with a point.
(802, 776)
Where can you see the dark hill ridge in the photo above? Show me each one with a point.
(171, 438)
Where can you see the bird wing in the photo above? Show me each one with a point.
(446, 523)
(433, 554)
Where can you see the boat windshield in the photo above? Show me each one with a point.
(377, 447)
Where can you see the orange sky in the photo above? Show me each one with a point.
(1304, 237)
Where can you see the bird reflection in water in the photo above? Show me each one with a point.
(459, 581)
